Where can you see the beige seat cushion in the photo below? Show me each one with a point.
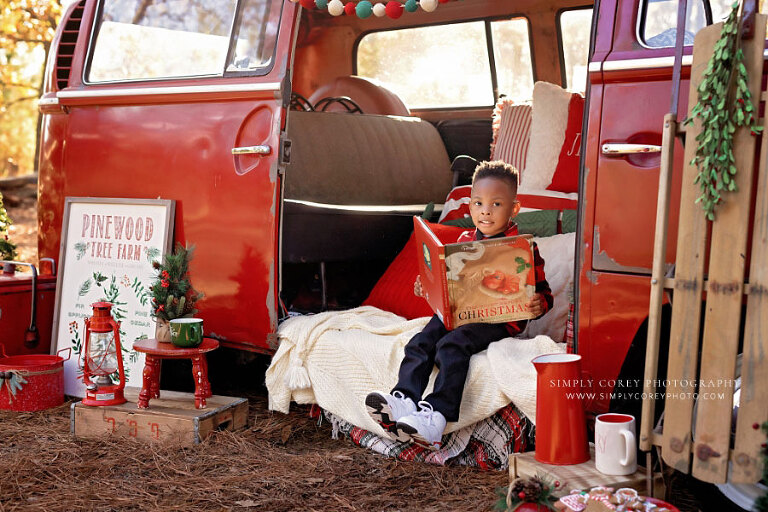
(354, 159)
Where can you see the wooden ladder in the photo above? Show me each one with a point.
(709, 454)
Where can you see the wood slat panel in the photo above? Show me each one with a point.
(689, 276)
(753, 404)
(723, 309)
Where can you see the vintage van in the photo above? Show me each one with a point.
(298, 144)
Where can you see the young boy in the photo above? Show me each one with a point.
(493, 205)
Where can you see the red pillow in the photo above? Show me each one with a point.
(394, 290)
(566, 177)
(457, 203)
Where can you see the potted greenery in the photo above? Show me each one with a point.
(172, 292)
(7, 248)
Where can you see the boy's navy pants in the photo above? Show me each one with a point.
(450, 351)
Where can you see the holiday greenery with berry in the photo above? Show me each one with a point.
(7, 248)
(537, 490)
(172, 292)
(724, 103)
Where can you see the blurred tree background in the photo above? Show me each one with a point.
(26, 30)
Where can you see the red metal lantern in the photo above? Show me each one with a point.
(102, 358)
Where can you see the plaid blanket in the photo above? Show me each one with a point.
(487, 444)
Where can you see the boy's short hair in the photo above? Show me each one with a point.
(499, 170)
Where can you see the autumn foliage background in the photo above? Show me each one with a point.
(26, 31)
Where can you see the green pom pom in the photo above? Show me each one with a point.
(321, 4)
(364, 9)
(411, 6)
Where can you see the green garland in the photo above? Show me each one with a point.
(172, 292)
(7, 248)
(721, 108)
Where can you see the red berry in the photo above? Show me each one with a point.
(755, 425)
(521, 495)
(557, 483)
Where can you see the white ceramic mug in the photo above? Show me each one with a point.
(615, 446)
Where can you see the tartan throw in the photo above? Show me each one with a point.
(486, 445)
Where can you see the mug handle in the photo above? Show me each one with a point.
(630, 452)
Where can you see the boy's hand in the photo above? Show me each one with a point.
(535, 305)
(417, 289)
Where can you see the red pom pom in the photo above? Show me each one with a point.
(443, 1)
(521, 495)
(394, 9)
(349, 8)
(307, 4)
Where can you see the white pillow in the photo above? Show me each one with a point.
(558, 253)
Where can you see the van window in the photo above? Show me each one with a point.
(139, 40)
(658, 20)
(575, 26)
(448, 66)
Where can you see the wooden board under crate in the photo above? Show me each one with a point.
(172, 417)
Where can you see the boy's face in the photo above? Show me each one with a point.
(493, 204)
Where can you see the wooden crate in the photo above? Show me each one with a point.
(581, 476)
(172, 417)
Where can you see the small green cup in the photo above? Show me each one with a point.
(187, 332)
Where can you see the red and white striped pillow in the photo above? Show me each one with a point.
(511, 133)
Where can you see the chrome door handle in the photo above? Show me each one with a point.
(629, 149)
(252, 150)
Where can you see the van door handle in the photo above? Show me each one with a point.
(629, 149)
(252, 150)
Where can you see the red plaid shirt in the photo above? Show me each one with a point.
(542, 286)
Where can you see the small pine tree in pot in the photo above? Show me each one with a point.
(7, 248)
(172, 293)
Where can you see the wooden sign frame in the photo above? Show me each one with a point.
(106, 253)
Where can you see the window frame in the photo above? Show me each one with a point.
(224, 73)
(640, 24)
(489, 45)
(560, 41)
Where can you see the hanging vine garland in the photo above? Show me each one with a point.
(721, 108)
(365, 8)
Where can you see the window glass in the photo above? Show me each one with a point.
(512, 52)
(146, 39)
(659, 20)
(429, 67)
(256, 35)
(575, 26)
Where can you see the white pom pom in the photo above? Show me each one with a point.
(335, 8)
(379, 10)
(428, 5)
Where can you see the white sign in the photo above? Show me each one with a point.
(107, 250)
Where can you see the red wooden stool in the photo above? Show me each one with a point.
(156, 351)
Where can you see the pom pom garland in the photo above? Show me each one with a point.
(394, 9)
(428, 5)
(365, 8)
(335, 8)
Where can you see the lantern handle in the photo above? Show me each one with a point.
(69, 354)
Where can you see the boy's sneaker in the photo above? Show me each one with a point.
(386, 409)
(425, 426)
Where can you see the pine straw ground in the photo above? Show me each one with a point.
(279, 463)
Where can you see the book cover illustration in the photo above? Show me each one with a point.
(490, 281)
(487, 281)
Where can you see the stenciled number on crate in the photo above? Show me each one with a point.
(155, 428)
(134, 428)
(107, 419)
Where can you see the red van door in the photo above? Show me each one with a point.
(631, 86)
(182, 101)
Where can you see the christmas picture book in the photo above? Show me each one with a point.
(486, 281)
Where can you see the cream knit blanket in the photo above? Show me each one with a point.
(335, 359)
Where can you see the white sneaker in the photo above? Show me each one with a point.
(425, 426)
(386, 409)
